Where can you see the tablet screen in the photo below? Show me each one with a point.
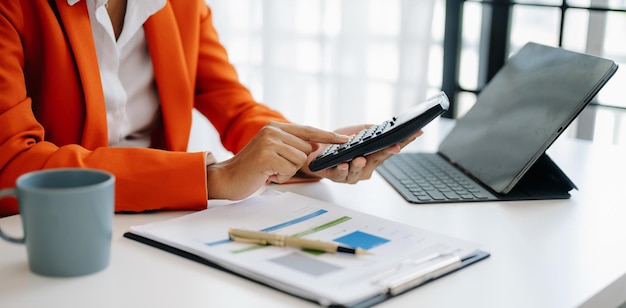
(522, 110)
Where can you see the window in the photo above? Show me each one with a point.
(485, 33)
(331, 63)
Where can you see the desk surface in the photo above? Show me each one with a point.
(565, 253)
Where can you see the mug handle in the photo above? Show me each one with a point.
(6, 193)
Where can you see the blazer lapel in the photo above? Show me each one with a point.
(77, 27)
(172, 78)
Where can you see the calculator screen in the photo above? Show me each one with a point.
(438, 99)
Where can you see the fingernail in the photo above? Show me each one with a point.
(344, 137)
(394, 149)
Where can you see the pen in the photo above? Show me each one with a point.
(265, 238)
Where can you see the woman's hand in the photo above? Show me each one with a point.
(360, 168)
(275, 154)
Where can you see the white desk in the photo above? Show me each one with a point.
(565, 253)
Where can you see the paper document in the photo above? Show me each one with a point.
(401, 256)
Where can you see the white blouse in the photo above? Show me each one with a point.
(132, 101)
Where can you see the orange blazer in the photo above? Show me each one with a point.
(52, 109)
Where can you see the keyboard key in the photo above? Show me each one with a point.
(436, 195)
(451, 196)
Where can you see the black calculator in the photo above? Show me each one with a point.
(384, 135)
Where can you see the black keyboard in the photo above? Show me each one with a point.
(429, 178)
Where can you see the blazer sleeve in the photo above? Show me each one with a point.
(220, 96)
(146, 179)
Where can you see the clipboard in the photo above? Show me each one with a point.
(341, 280)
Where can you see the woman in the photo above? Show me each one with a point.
(111, 85)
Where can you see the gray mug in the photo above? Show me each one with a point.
(67, 217)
